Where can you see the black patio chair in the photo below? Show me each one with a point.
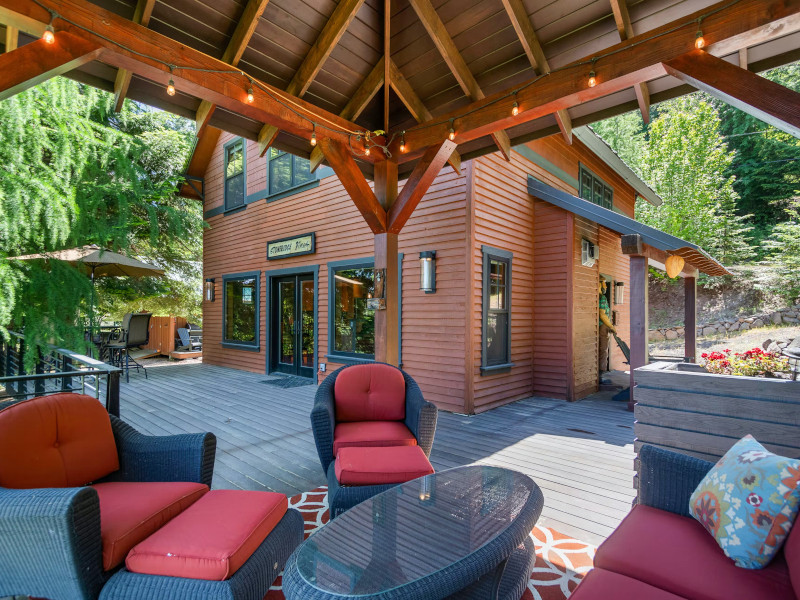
(135, 332)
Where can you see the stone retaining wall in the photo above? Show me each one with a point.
(786, 316)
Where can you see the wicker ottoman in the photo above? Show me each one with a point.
(230, 544)
(358, 474)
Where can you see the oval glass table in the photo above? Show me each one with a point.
(460, 533)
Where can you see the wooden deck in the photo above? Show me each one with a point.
(580, 454)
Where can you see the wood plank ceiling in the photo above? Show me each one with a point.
(444, 54)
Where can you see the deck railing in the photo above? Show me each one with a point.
(59, 370)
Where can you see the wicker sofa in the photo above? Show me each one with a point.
(414, 424)
(659, 552)
(52, 541)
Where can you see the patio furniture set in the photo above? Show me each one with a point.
(90, 508)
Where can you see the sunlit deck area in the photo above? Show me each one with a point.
(580, 454)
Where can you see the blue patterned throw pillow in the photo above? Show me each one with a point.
(748, 502)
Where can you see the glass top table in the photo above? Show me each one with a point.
(428, 538)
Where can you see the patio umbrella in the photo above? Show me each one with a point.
(97, 262)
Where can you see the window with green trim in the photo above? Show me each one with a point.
(595, 190)
(240, 309)
(234, 174)
(496, 329)
(287, 171)
(353, 324)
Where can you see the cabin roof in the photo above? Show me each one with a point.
(693, 254)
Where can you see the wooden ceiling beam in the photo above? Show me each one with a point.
(141, 16)
(353, 180)
(533, 50)
(39, 61)
(233, 53)
(203, 77)
(12, 38)
(751, 93)
(455, 62)
(633, 61)
(418, 184)
(625, 28)
(334, 29)
(416, 106)
(356, 105)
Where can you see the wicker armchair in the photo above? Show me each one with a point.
(420, 419)
(50, 538)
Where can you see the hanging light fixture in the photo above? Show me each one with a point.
(427, 271)
(250, 96)
(314, 135)
(674, 265)
(592, 75)
(699, 40)
(403, 142)
(49, 35)
(452, 131)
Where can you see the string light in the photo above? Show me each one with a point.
(49, 34)
(515, 110)
(452, 131)
(699, 40)
(314, 135)
(366, 152)
(403, 142)
(171, 87)
(250, 96)
(592, 75)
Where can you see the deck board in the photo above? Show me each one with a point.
(580, 454)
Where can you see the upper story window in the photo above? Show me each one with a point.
(287, 171)
(234, 174)
(595, 189)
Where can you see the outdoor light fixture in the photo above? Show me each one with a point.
(427, 271)
(250, 96)
(49, 35)
(699, 40)
(592, 79)
(403, 142)
(171, 87)
(619, 292)
(674, 265)
(208, 289)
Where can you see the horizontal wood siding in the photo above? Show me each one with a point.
(503, 218)
(433, 324)
(585, 317)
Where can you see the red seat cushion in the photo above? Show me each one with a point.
(129, 512)
(676, 554)
(791, 550)
(372, 433)
(378, 466)
(63, 440)
(212, 538)
(600, 584)
(372, 392)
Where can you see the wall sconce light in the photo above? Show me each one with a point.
(619, 292)
(208, 290)
(427, 271)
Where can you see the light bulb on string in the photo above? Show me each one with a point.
(403, 142)
(515, 109)
(250, 96)
(452, 135)
(314, 135)
(49, 35)
(699, 40)
(592, 78)
(171, 87)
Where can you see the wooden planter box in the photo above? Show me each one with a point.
(681, 407)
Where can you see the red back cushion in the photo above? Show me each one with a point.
(371, 392)
(791, 550)
(63, 440)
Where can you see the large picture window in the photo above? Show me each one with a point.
(496, 329)
(352, 328)
(234, 174)
(287, 171)
(595, 190)
(240, 310)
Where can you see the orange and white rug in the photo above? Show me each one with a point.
(561, 562)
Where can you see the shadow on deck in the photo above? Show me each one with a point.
(580, 454)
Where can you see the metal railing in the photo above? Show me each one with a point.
(59, 370)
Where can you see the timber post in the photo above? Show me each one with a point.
(387, 334)
(690, 319)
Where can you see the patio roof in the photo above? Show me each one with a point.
(691, 253)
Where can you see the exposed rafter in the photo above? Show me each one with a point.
(625, 28)
(202, 77)
(233, 53)
(141, 16)
(727, 26)
(12, 38)
(755, 95)
(39, 61)
(533, 50)
(334, 29)
(356, 105)
(415, 106)
(455, 62)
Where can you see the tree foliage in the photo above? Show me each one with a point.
(73, 172)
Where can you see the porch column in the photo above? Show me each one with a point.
(639, 317)
(387, 334)
(690, 318)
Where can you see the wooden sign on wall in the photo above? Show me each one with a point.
(292, 246)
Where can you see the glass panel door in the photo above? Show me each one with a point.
(286, 326)
(306, 306)
(292, 333)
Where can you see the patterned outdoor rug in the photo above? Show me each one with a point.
(289, 381)
(561, 562)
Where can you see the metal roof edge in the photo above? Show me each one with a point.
(597, 145)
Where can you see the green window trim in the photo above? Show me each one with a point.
(594, 189)
(234, 174)
(496, 283)
(287, 174)
(253, 345)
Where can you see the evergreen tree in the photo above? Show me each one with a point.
(72, 172)
(783, 249)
